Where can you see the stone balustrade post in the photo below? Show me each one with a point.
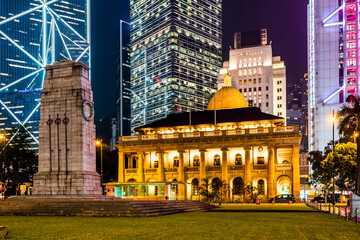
(224, 165)
(161, 167)
(121, 168)
(182, 187)
(141, 167)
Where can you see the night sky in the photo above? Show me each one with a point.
(285, 20)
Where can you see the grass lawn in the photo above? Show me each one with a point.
(266, 207)
(208, 225)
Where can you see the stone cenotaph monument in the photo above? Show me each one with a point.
(67, 160)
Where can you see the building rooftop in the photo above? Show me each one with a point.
(251, 114)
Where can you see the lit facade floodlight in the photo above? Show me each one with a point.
(34, 34)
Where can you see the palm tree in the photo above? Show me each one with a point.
(349, 128)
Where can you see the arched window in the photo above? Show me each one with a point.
(196, 161)
(285, 162)
(195, 186)
(238, 159)
(217, 160)
(261, 187)
(216, 185)
(176, 161)
(131, 180)
(238, 186)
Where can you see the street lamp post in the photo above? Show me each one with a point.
(3, 137)
(333, 149)
(99, 143)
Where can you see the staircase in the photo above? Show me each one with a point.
(99, 208)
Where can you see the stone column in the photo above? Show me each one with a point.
(182, 188)
(202, 166)
(121, 168)
(141, 167)
(296, 172)
(271, 168)
(161, 167)
(248, 166)
(224, 165)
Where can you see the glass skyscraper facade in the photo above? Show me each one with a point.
(34, 34)
(175, 56)
(123, 81)
(333, 64)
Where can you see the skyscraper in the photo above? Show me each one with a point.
(259, 76)
(123, 80)
(33, 34)
(333, 56)
(176, 56)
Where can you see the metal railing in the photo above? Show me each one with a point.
(340, 211)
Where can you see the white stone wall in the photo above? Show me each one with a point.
(67, 160)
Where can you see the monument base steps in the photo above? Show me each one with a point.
(97, 208)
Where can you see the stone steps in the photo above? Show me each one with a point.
(112, 208)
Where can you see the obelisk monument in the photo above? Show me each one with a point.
(67, 159)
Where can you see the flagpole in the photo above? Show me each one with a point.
(215, 109)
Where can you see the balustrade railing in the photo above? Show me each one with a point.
(283, 166)
(132, 170)
(235, 132)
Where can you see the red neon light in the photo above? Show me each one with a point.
(351, 89)
(158, 80)
(351, 8)
(351, 16)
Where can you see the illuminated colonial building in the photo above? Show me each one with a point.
(234, 143)
(175, 57)
(259, 76)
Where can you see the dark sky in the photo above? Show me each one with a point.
(285, 20)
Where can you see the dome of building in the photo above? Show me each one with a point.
(227, 97)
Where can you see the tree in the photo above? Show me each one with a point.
(342, 163)
(21, 160)
(252, 191)
(205, 190)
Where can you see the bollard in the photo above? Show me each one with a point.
(346, 213)
(320, 207)
(357, 216)
(329, 208)
(334, 209)
(325, 207)
(339, 211)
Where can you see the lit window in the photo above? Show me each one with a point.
(351, 62)
(217, 160)
(351, 35)
(350, 26)
(351, 53)
(176, 162)
(351, 44)
(196, 161)
(238, 159)
(351, 80)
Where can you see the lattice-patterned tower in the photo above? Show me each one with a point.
(67, 161)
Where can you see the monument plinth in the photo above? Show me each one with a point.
(67, 157)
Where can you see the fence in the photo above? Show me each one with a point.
(340, 211)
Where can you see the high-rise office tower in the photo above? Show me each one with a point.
(333, 58)
(33, 34)
(123, 81)
(176, 56)
(259, 76)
